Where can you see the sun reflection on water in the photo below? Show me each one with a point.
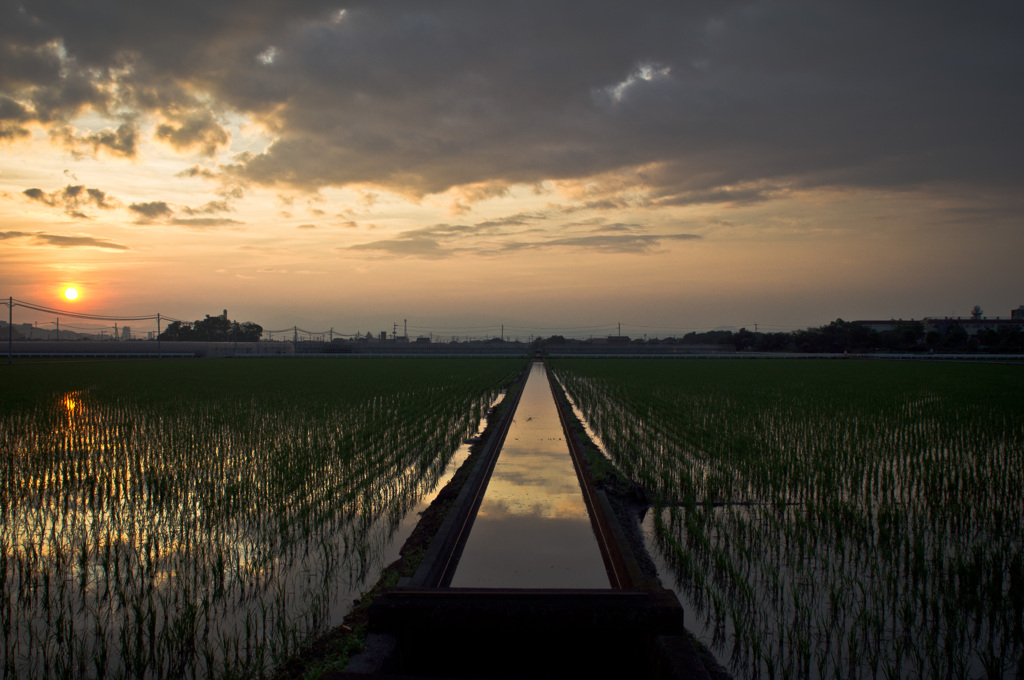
(258, 519)
(532, 529)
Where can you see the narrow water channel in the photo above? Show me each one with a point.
(532, 529)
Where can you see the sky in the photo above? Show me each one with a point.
(555, 167)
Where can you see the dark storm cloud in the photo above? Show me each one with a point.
(797, 93)
(12, 115)
(717, 102)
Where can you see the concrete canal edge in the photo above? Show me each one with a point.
(623, 504)
(420, 628)
(325, 655)
(439, 562)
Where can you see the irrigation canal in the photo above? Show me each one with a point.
(532, 529)
(530, 574)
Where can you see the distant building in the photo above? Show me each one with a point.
(976, 323)
(973, 324)
(126, 333)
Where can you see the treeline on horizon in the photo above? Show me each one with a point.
(848, 336)
(836, 337)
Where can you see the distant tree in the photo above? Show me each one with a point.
(844, 336)
(178, 330)
(553, 340)
(213, 329)
(249, 331)
(742, 340)
(904, 337)
(774, 342)
(911, 333)
(956, 338)
(807, 340)
(1011, 339)
(1006, 339)
(708, 338)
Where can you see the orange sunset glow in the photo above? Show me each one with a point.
(551, 169)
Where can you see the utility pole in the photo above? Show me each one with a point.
(10, 330)
(116, 337)
(296, 336)
(330, 334)
(58, 329)
(159, 355)
(405, 329)
(620, 329)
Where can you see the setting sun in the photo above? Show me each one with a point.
(71, 293)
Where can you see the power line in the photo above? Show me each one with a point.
(80, 315)
(453, 330)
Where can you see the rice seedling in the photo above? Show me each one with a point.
(843, 519)
(203, 519)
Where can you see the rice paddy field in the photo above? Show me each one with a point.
(828, 519)
(205, 518)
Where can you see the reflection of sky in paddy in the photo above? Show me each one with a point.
(532, 530)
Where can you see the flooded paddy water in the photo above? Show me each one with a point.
(832, 519)
(817, 519)
(532, 529)
(203, 519)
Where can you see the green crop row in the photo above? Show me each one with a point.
(829, 518)
(203, 519)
